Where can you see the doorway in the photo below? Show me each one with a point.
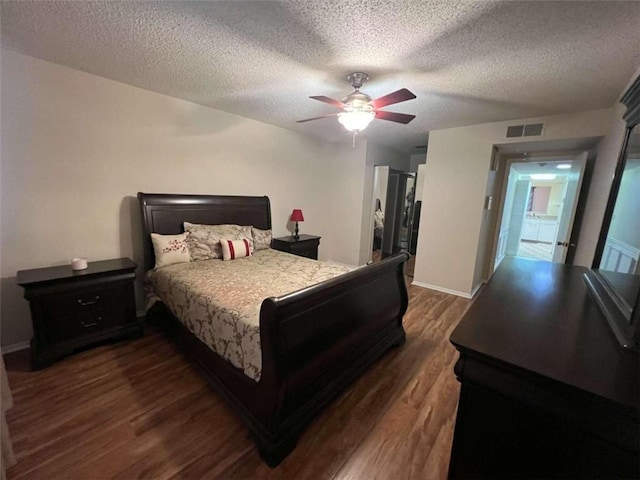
(538, 207)
(394, 212)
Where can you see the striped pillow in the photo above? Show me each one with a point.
(203, 241)
(232, 249)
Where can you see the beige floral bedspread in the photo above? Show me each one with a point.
(219, 301)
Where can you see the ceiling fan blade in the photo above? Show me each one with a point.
(398, 96)
(394, 117)
(316, 118)
(330, 101)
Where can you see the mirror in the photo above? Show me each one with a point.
(619, 263)
(614, 280)
(393, 211)
(407, 211)
(538, 199)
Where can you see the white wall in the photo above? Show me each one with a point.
(457, 169)
(416, 160)
(76, 148)
(381, 180)
(422, 171)
(383, 155)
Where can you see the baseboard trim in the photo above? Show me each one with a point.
(476, 289)
(447, 290)
(16, 347)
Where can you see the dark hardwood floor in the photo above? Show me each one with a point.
(138, 409)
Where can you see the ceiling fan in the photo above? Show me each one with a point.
(359, 109)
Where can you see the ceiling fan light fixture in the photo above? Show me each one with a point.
(357, 120)
(359, 109)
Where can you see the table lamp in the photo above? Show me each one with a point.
(296, 216)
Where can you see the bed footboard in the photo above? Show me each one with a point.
(317, 341)
(314, 342)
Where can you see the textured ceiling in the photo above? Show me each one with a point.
(467, 62)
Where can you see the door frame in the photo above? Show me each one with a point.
(503, 166)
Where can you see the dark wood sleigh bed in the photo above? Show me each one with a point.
(314, 342)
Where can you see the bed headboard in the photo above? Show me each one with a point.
(164, 213)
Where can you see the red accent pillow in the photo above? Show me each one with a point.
(232, 249)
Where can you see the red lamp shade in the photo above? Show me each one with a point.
(296, 216)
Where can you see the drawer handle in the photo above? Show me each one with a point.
(89, 303)
(92, 324)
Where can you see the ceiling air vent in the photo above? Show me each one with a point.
(531, 130)
(515, 131)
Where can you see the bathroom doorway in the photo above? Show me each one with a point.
(539, 206)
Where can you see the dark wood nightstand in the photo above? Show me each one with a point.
(305, 246)
(71, 309)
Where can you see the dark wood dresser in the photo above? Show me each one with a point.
(71, 309)
(546, 390)
(305, 246)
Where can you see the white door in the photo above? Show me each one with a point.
(519, 205)
(569, 205)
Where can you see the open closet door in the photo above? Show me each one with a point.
(390, 213)
(569, 205)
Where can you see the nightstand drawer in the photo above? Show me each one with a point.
(304, 246)
(66, 328)
(78, 303)
(306, 251)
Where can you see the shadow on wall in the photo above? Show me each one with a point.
(131, 246)
(197, 121)
(15, 325)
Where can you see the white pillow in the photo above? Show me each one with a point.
(170, 249)
(232, 249)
